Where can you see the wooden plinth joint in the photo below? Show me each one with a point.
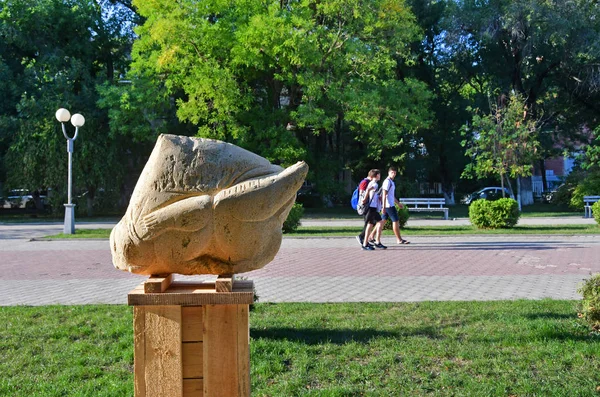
(191, 340)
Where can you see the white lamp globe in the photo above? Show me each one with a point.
(77, 120)
(63, 115)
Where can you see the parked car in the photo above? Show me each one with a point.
(22, 198)
(487, 193)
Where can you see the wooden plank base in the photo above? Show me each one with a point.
(187, 349)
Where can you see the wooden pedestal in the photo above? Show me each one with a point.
(191, 339)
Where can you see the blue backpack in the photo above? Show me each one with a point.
(355, 196)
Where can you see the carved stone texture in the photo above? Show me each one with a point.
(203, 206)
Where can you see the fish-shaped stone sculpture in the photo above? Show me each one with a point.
(203, 206)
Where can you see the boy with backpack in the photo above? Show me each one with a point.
(369, 197)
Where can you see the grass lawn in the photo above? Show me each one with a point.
(344, 231)
(83, 234)
(457, 211)
(502, 348)
(324, 231)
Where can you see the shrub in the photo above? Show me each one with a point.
(589, 186)
(563, 194)
(503, 213)
(590, 305)
(403, 216)
(596, 211)
(293, 220)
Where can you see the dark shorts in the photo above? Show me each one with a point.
(372, 216)
(391, 213)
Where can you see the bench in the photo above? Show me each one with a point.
(588, 201)
(425, 205)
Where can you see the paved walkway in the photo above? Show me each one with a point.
(318, 269)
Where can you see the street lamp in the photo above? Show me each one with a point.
(63, 115)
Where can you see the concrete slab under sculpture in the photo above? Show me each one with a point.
(203, 206)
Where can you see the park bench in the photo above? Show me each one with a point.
(588, 201)
(425, 205)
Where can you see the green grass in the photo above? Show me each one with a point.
(503, 348)
(83, 234)
(457, 211)
(344, 231)
(332, 231)
(66, 351)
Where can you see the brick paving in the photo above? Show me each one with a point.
(320, 269)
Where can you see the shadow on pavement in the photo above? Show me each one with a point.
(486, 246)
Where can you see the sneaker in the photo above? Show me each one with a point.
(372, 241)
(381, 246)
(359, 240)
(368, 248)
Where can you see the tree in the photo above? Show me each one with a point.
(504, 142)
(53, 54)
(547, 51)
(591, 158)
(288, 79)
(436, 153)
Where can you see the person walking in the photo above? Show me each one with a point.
(362, 187)
(372, 216)
(389, 204)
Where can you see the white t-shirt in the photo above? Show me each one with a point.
(374, 195)
(390, 186)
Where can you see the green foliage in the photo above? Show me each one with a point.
(503, 213)
(403, 216)
(592, 152)
(55, 53)
(546, 51)
(590, 304)
(596, 211)
(503, 143)
(563, 195)
(589, 186)
(288, 80)
(293, 219)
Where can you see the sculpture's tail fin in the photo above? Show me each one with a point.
(261, 198)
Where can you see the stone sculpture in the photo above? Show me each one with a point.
(203, 206)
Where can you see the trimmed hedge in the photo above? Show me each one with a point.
(499, 214)
(403, 216)
(293, 219)
(596, 211)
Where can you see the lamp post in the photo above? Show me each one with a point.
(63, 115)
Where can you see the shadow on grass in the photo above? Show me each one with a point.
(551, 316)
(315, 336)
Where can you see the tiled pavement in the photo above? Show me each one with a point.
(320, 270)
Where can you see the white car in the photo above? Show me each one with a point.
(20, 198)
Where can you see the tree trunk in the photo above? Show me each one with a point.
(90, 200)
(510, 189)
(448, 190)
(526, 191)
(543, 171)
(519, 193)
